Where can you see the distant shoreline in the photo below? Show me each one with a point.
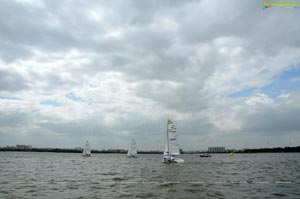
(122, 151)
(61, 150)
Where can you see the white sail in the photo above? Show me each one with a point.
(129, 152)
(86, 150)
(166, 151)
(173, 143)
(173, 148)
(132, 152)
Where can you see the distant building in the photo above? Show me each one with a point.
(23, 147)
(78, 148)
(216, 149)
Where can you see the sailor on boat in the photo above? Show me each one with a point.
(169, 159)
(172, 158)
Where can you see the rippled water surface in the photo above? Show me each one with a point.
(63, 175)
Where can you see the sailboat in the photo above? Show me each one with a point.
(87, 151)
(172, 146)
(132, 152)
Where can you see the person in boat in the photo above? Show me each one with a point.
(168, 159)
(172, 158)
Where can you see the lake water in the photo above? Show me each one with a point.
(65, 175)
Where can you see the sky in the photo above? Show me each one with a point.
(227, 73)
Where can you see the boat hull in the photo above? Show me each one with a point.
(176, 160)
(131, 156)
(205, 156)
(179, 160)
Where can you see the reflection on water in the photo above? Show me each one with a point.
(62, 175)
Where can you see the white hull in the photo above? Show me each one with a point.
(178, 160)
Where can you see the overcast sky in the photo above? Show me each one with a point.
(227, 73)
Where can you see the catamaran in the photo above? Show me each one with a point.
(172, 146)
(132, 152)
(87, 151)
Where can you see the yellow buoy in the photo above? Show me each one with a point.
(231, 154)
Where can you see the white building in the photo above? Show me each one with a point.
(216, 149)
(23, 147)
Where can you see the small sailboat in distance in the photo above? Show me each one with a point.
(87, 150)
(172, 146)
(132, 152)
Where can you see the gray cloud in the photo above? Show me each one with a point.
(272, 121)
(13, 119)
(10, 81)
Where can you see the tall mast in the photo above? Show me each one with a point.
(168, 147)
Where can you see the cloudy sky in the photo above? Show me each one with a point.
(227, 73)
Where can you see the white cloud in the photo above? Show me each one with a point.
(259, 99)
